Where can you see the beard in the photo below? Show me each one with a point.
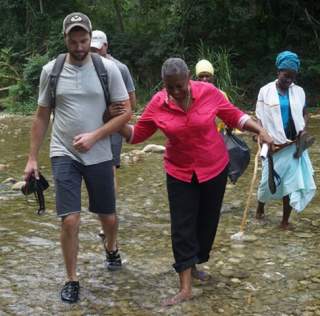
(80, 56)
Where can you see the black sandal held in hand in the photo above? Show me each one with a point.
(304, 141)
(36, 186)
(274, 179)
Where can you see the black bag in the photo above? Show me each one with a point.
(36, 186)
(239, 155)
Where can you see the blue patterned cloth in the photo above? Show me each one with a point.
(296, 178)
(288, 60)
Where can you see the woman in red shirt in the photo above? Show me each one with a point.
(195, 160)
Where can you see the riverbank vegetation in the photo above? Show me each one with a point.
(241, 38)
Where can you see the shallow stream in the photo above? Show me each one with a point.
(271, 272)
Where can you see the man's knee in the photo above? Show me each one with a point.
(71, 223)
(109, 219)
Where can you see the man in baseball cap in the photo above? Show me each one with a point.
(99, 44)
(98, 39)
(80, 141)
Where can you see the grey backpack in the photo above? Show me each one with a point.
(99, 67)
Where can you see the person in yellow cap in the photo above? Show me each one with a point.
(205, 73)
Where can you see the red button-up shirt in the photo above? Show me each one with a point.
(194, 144)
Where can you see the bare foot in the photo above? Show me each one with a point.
(200, 275)
(178, 298)
(260, 215)
(286, 226)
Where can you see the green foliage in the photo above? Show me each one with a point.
(22, 96)
(32, 70)
(9, 72)
(243, 38)
(20, 99)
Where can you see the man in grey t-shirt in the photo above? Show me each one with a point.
(80, 141)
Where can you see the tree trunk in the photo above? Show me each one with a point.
(41, 6)
(117, 7)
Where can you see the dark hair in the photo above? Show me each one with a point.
(174, 66)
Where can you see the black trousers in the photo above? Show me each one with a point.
(195, 212)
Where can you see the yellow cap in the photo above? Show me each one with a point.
(204, 66)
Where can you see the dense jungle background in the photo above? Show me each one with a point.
(241, 38)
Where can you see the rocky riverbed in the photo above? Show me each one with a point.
(270, 272)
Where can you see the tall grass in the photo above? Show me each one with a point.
(221, 61)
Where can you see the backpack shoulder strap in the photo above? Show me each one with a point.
(54, 76)
(102, 74)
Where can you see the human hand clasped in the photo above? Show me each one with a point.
(83, 142)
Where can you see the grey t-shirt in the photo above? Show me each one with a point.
(80, 105)
(126, 76)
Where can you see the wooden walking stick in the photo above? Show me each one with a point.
(239, 235)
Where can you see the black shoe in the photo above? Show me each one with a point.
(70, 292)
(113, 260)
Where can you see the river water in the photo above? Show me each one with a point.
(271, 272)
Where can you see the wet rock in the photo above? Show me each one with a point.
(153, 148)
(313, 287)
(3, 167)
(292, 284)
(282, 256)
(221, 285)
(304, 282)
(250, 287)
(304, 298)
(261, 254)
(316, 223)
(315, 280)
(273, 276)
(132, 157)
(235, 280)
(18, 185)
(36, 241)
(261, 231)
(296, 275)
(304, 235)
(135, 214)
(237, 246)
(249, 238)
(9, 181)
(148, 203)
(307, 314)
(234, 260)
(235, 274)
(243, 274)
(226, 272)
